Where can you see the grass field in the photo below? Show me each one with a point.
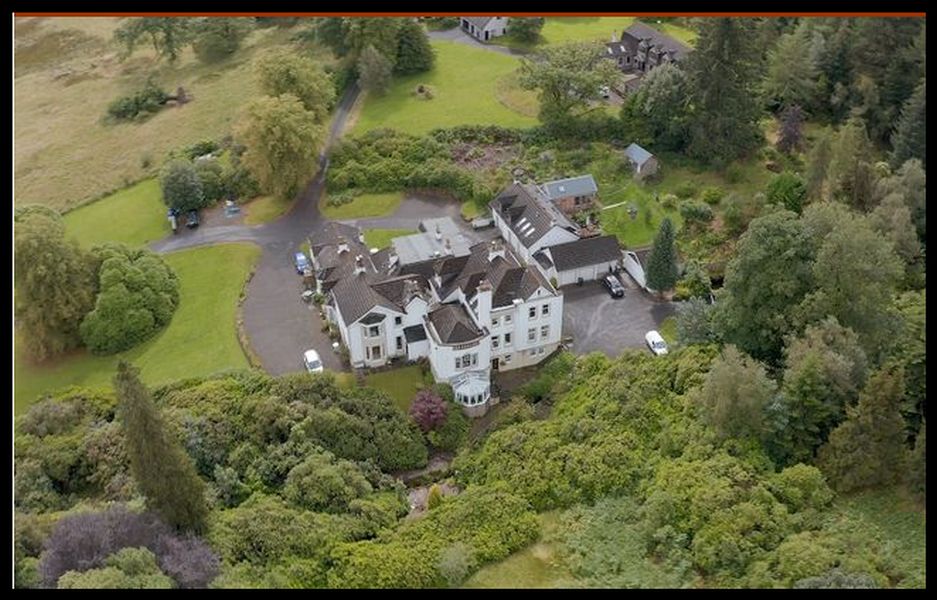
(201, 339)
(559, 30)
(616, 186)
(533, 567)
(134, 216)
(400, 384)
(67, 72)
(380, 238)
(264, 209)
(901, 520)
(464, 81)
(365, 205)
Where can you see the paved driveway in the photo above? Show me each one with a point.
(280, 325)
(596, 321)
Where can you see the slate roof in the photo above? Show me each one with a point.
(508, 278)
(414, 333)
(529, 215)
(640, 31)
(333, 266)
(479, 22)
(584, 185)
(544, 260)
(584, 252)
(453, 324)
(637, 154)
(356, 295)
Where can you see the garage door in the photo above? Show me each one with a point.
(589, 273)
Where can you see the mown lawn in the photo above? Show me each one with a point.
(464, 82)
(201, 339)
(380, 238)
(533, 567)
(902, 522)
(135, 215)
(68, 71)
(264, 209)
(559, 30)
(400, 384)
(363, 206)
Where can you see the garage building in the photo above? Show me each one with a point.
(587, 259)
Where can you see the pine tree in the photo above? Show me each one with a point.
(722, 76)
(414, 54)
(161, 468)
(917, 464)
(868, 449)
(790, 132)
(910, 137)
(818, 164)
(662, 262)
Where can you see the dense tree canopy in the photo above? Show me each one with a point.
(910, 137)
(525, 28)
(138, 295)
(168, 35)
(55, 282)
(162, 470)
(414, 53)
(215, 38)
(567, 78)
(662, 262)
(722, 75)
(869, 448)
(767, 278)
(130, 568)
(182, 186)
(285, 72)
(283, 141)
(375, 70)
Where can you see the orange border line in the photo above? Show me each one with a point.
(447, 14)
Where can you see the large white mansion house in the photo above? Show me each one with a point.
(469, 308)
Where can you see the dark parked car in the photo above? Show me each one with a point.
(192, 220)
(614, 286)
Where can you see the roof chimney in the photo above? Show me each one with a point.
(360, 236)
(448, 246)
(496, 248)
(359, 265)
(342, 245)
(438, 233)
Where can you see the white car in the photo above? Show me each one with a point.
(312, 361)
(656, 343)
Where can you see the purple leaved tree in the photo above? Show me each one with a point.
(428, 410)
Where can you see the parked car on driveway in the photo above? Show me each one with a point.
(614, 286)
(301, 261)
(192, 220)
(482, 222)
(312, 362)
(656, 343)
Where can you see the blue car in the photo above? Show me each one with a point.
(301, 262)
